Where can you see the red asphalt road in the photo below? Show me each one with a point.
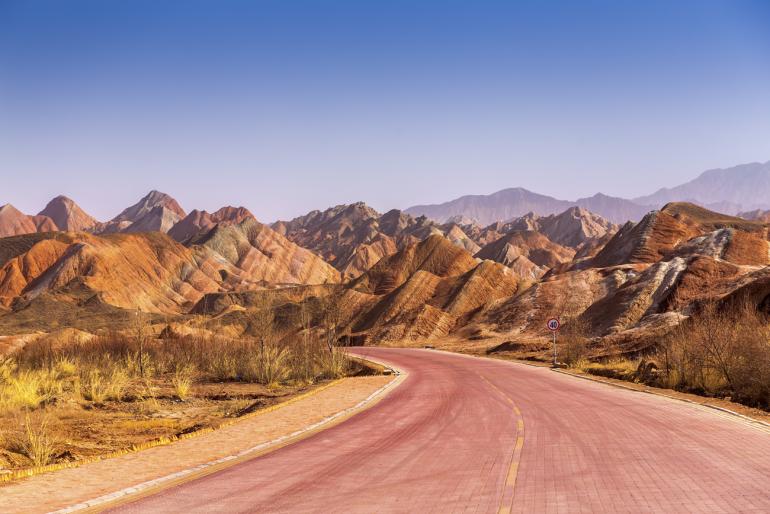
(445, 440)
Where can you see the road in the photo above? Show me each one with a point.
(474, 435)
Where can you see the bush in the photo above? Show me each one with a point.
(182, 381)
(265, 364)
(35, 441)
(574, 343)
(99, 386)
(721, 350)
(334, 363)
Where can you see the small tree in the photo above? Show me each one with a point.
(574, 341)
(140, 334)
(331, 321)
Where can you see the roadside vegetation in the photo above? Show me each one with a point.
(721, 351)
(62, 400)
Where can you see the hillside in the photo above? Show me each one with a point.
(148, 272)
(528, 253)
(201, 221)
(354, 237)
(264, 255)
(13, 222)
(154, 212)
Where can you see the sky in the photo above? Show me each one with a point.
(287, 106)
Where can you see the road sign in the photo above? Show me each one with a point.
(553, 324)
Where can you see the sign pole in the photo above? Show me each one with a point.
(553, 325)
(554, 348)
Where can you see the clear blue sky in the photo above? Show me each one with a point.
(285, 106)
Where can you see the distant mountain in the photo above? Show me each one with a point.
(67, 215)
(614, 209)
(198, 221)
(154, 212)
(756, 215)
(731, 190)
(149, 202)
(485, 209)
(158, 219)
(13, 222)
(515, 202)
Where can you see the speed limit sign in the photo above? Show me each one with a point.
(553, 324)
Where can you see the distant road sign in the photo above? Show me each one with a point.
(553, 324)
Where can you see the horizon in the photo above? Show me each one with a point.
(189, 209)
(286, 109)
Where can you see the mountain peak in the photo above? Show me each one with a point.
(151, 200)
(67, 215)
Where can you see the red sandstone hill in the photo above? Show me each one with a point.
(149, 271)
(154, 212)
(425, 290)
(201, 221)
(355, 237)
(67, 215)
(530, 254)
(13, 222)
(265, 255)
(407, 277)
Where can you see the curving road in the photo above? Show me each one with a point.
(474, 435)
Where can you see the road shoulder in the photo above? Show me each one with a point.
(165, 465)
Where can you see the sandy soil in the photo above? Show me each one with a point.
(83, 429)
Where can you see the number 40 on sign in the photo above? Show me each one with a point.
(553, 324)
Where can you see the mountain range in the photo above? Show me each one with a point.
(740, 188)
(386, 276)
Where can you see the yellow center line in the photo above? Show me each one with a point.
(513, 470)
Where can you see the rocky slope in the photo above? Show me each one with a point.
(355, 237)
(13, 222)
(425, 290)
(202, 221)
(528, 253)
(154, 212)
(148, 272)
(264, 255)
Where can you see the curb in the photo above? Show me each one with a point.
(748, 419)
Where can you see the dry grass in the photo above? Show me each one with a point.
(98, 385)
(35, 440)
(114, 391)
(182, 382)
